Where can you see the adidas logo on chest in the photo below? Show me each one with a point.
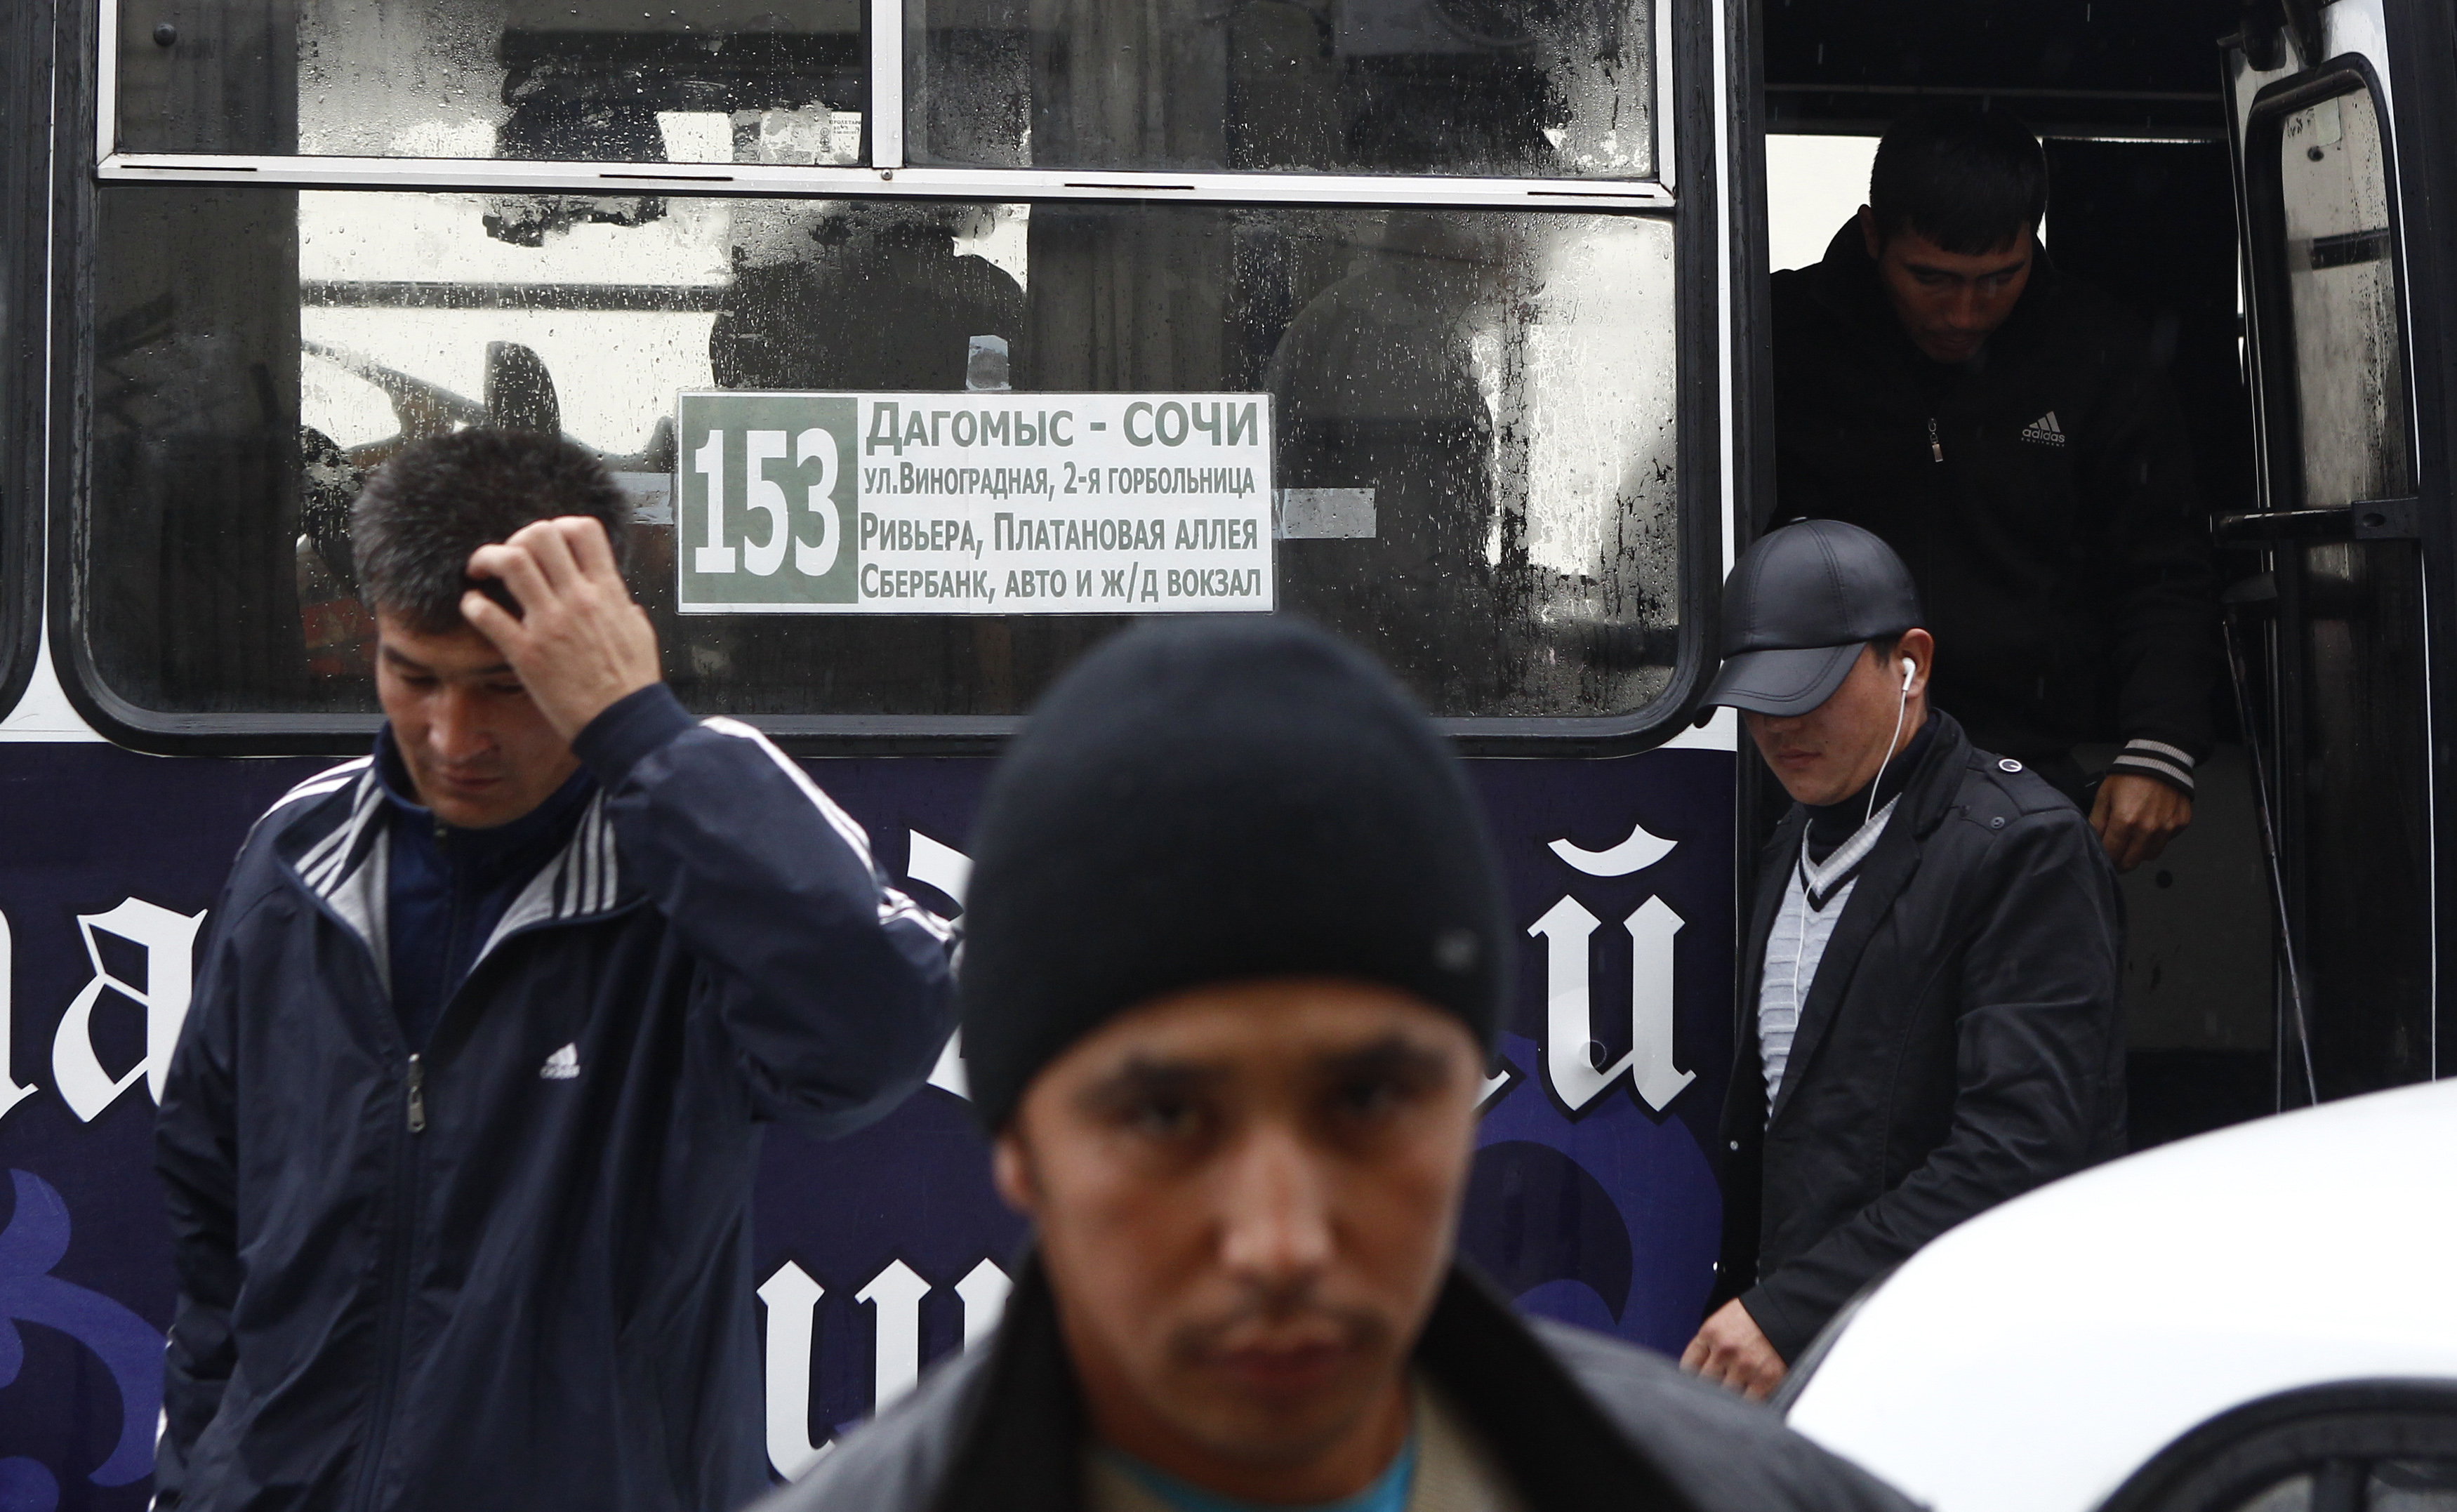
(2044, 432)
(562, 1065)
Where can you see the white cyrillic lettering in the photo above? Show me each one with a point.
(984, 1291)
(896, 1293)
(1651, 931)
(1570, 1048)
(169, 942)
(10, 1093)
(792, 1300)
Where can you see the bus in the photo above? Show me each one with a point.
(1440, 321)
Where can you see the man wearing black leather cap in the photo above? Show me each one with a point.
(1236, 950)
(1928, 1019)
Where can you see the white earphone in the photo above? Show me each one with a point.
(1902, 708)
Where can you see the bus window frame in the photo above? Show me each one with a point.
(883, 148)
(24, 252)
(1691, 87)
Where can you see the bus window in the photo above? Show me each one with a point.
(566, 79)
(1359, 85)
(1487, 394)
(1376, 85)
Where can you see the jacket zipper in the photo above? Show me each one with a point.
(396, 1314)
(405, 1191)
(1936, 445)
(404, 1247)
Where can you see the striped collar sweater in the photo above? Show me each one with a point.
(1812, 902)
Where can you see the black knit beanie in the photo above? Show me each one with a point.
(1214, 800)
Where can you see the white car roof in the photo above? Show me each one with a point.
(2033, 1359)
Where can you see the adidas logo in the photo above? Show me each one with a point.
(2045, 430)
(562, 1065)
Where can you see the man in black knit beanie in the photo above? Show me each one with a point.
(1235, 955)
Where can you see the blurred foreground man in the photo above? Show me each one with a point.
(1928, 1021)
(1235, 953)
(459, 1134)
(2010, 433)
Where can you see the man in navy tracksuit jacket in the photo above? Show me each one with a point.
(461, 1132)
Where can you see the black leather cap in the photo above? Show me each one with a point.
(1799, 607)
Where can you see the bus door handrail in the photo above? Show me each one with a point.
(2364, 520)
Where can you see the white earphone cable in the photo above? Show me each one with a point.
(1902, 708)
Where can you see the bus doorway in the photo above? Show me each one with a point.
(2161, 197)
(2342, 271)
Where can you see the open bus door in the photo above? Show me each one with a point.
(2337, 633)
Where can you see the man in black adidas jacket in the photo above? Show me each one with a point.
(460, 1135)
(2008, 431)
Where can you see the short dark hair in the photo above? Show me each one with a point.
(437, 501)
(1968, 180)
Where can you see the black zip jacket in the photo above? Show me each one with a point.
(1960, 1045)
(1577, 1420)
(2058, 545)
(515, 1270)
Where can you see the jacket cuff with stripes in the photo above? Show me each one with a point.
(629, 728)
(2142, 756)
